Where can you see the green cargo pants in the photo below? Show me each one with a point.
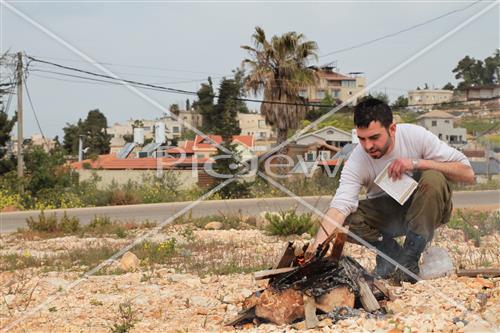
(429, 207)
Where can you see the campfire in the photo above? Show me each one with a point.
(328, 283)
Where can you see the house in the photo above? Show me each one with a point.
(331, 135)
(205, 147)
(425, 97)
(254, 124)
(483, 92)
(170, 127)
(111, 169)
(189, 119)
(339, 86)
(441, 124)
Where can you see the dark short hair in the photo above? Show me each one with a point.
(372, 109)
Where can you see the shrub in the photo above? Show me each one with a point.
(475, 224)
(157, 252)
(43, 223)
(290, 223)
(126, 319)
(122, 197)
(10, 200)
(50, 223)
(99, 222)
(69, 224)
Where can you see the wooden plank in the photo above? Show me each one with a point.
(381, 286)
(366, 296)
(287, 258)
(242, 316)
(487, 272)
(338, 246)
(268, 273)
(310, 311)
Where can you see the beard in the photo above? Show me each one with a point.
(381, 151)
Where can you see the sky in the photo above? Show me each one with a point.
(182, 43)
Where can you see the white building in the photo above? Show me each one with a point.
(442, 125)
(331, 135)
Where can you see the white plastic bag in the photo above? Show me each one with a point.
(436, 262)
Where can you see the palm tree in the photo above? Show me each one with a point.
(278, 68)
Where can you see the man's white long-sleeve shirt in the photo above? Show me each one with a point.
(411, 141)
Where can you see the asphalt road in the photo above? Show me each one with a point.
(160, 212)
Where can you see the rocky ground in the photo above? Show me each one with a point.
(203, 283)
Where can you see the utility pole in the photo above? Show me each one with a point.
(20, 138)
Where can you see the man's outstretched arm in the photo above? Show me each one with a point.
(454, 171)
(333, 218)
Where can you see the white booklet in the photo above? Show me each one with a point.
(400, 189)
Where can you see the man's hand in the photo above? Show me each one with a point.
(399, 167)
(330, 221)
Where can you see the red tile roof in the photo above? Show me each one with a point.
(334, 76)
(247, 140)
(328, 162)
(111, 162)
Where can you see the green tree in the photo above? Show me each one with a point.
(128, 138)
(6, 163)
(381, 96)
(230, 166)
(137, 124)
(46, 173)
(71, 135)
(278, 69)
(448, 86)
(94, 132)
(326, 104)
(174, 109)
(477, 72)
(228, 106)
(205, 105)
(400, 102)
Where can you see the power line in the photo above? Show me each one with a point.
(153, 86)
(400, 31)
(136, 66)
(173, 90)
(32, 107)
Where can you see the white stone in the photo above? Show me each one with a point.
(129, 262)
(213, 225)
(205, 302)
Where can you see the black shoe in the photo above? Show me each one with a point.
(412, 249)
(390, 247)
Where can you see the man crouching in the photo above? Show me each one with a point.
(379, 218)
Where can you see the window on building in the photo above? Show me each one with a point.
(303, 93)
(262, 135)
(446, 121)
(348, 83)
(440, 136)
(175, 129)
(262, 124)
(320, 94)
(335, 93)
(434, 123)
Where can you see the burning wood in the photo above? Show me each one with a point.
(298, 288)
